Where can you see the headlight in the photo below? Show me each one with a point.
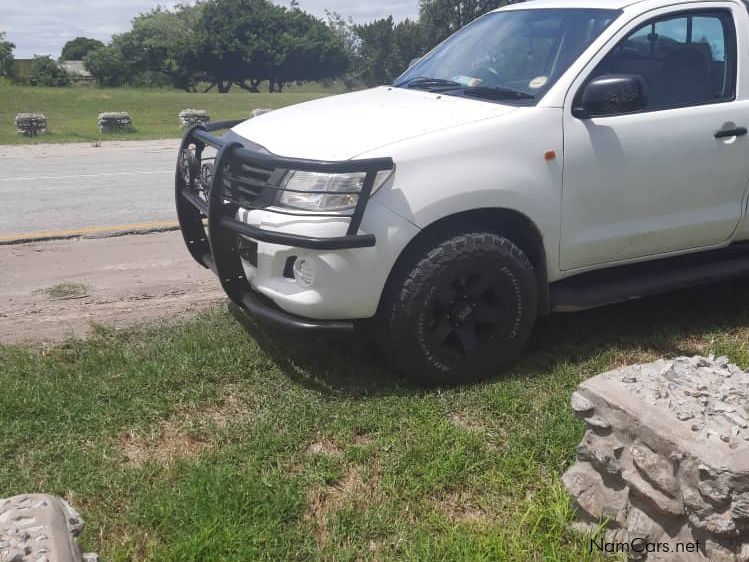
(315, 191)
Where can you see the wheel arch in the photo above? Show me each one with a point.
(505, 222)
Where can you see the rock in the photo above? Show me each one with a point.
(260, 111)
(740, 508)
(581, 405)
(666, 456)
(657, 470)
(36, 527)
(190, 117)
(114, 122)
(31, 124)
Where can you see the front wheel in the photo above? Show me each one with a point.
(462, 311)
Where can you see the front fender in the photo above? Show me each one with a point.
(495, 163)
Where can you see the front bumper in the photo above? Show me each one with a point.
(209, 192)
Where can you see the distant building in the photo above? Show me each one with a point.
(22, 68)
(79, 76)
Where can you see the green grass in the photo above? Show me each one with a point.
(208, 439)
(71, 112)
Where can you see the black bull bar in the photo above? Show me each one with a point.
(209, 191)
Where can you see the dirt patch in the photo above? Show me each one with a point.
(50, 291)
(185, 435)
(170, 443)
(324, 446)
(468, 421)
(460, 508)
(324, 503)
(495, 437)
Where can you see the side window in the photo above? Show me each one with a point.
(685, 59)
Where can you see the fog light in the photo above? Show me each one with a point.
(304, 272)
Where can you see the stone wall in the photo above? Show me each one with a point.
(665, 458)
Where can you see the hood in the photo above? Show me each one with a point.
(345, 126)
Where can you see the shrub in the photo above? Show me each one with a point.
(46, 72)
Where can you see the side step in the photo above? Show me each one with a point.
(629, 282)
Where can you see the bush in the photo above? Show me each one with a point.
(107, 66)
(78, 48)
(46, 72)
(6, 57)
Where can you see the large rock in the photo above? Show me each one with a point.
(114, 122)
(190, 117)
(665, 459)
(40, 528)
(31, 124)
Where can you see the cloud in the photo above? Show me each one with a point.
(43, 26)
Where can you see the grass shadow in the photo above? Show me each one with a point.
(663, 326)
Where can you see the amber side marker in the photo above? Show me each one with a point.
(550, 155)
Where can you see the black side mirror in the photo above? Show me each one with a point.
(611, 94)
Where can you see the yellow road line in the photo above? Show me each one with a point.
(86, 231)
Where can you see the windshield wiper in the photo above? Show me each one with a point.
(497, 93)
(427, 82)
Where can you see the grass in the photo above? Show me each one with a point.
(71, 112)
(210, 439)
(65, 291)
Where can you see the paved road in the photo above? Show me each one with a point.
(59, 189)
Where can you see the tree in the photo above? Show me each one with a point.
(386, 48)
(46, 72)
(236, 42)
(246, 42)
(442, 18)
(108, 67)
(345, 30)
(6, 57)
(308, 50)
(78, 48)
(162, 41)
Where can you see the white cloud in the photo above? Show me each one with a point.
(43, 26)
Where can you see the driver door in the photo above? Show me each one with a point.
(659, 181)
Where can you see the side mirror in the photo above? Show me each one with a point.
(611, 94)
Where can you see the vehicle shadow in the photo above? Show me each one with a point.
(669, 325)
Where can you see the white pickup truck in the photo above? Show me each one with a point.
(552, 155)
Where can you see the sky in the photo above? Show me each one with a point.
(42, 27)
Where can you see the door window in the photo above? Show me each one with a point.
(685, 59)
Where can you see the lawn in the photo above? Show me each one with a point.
(71, 112)
(207, 439)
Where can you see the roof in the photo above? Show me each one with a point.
(601, 4)
(75, 68)
(589, 4)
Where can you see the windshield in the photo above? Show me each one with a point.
(510, 55)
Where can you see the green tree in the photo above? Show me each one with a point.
(46, 72)
(236, 42)
(6, 57)
(78, 48)
(386, 48)
(345, 30)
(108, 66)
(308, 51)
(442, 18)
(162, 41)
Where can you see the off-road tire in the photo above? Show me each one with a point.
(462, 310)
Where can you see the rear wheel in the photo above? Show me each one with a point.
(463, 310)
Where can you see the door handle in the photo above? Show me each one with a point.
(727, 133)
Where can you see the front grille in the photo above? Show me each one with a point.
(247, 186)
(244, 185)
